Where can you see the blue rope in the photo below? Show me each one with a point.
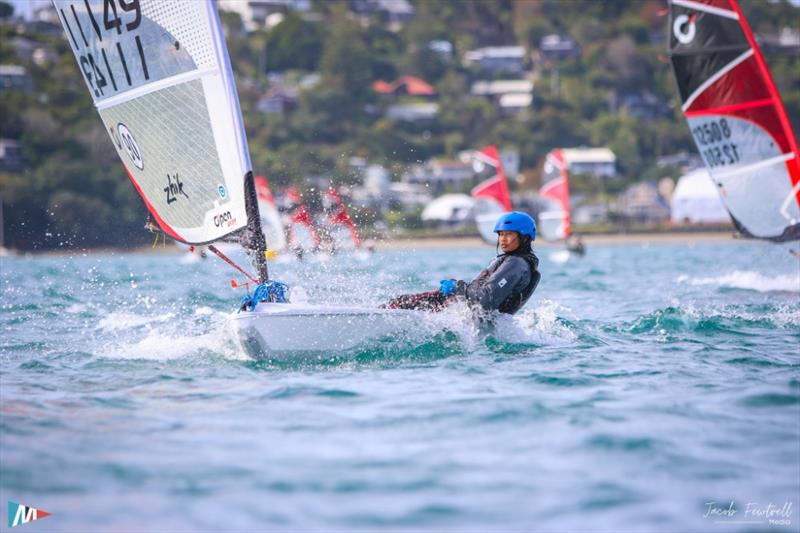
(271, 291)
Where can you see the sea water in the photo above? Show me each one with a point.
(642, 388)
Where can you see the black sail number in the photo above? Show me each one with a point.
(713, 138)
(121, 18)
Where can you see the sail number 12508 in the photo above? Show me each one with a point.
(713, 140)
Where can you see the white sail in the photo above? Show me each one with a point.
(160, 77)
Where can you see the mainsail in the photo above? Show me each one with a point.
(736, 117)
(338, 215)
(554, 220)
(270, 218)
(491, 193)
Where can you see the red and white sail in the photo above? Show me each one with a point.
(339, 217)
(302, 232)
(554, 220)
(271, 223)
(736, 117)
(492, 195)
(495, 186)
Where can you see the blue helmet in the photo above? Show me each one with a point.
(517, 221)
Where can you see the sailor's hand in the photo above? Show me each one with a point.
(447, 286)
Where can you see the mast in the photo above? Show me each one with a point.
(253, 239)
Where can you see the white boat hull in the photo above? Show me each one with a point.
(279, 331)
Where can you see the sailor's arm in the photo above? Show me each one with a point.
(492, 291)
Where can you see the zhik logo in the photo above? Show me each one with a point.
(22, 514)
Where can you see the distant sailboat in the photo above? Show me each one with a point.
(493, 197)
(736, 117)
(555, 223)
(338, 217)
(302, 233)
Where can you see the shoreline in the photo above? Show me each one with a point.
(424, 243)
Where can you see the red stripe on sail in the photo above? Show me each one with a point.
(730, 109)
(166, 228)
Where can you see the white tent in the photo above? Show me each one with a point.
(449, 208)
(696, 200)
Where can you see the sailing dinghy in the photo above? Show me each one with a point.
(736, 117)
(554, 220)
(160, 77)
(493, 198)
(340, 226)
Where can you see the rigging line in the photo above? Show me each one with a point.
(231, 263)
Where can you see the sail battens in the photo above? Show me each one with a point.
(793, 195)
(719, 174)
(153, 87)
(707, 8)
(721, 110)
(713, 79)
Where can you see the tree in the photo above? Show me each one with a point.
(293, 43)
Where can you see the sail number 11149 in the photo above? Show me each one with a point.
(713, 140)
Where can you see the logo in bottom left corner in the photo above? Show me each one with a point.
(19, 514)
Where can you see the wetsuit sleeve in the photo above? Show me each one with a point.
(490, 291)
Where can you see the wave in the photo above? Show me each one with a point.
(749, 280)
(732, 319)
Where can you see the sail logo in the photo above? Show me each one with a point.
(173, 189)
(130, 145)
(225, 218)
(684, 28)
(22, 514)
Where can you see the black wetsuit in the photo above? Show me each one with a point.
(504, 286)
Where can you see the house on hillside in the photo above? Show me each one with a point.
(441, 175)
(254, 13)
(495, 60)
(394, 13)
(598, 161)
(511, 96)
(11, 159)
(641, 203)
(557, 47)
(15, 77)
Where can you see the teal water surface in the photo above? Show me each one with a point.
(643, 388)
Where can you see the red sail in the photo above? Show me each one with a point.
(338, 214)
(736, 117)
(300, 215)
(554, 220)
(496, 185)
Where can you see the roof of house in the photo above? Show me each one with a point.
(589, 155)
(411, 84)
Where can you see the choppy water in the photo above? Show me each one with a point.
(639, 385)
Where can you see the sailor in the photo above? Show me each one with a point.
(505, 285)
